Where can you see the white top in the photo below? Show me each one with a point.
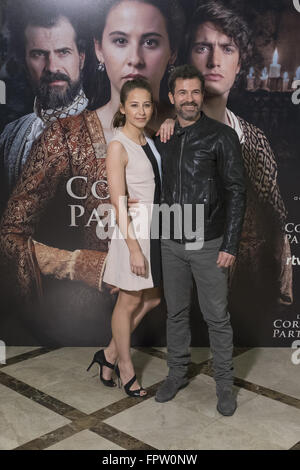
(37, 129)
(156, 154)
(234, 123)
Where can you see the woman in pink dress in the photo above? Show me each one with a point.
(133, 262)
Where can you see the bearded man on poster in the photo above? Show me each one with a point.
(39, 204)
(49, 41)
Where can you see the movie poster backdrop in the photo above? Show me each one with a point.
(264, 295)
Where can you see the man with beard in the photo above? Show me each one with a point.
(219, 45)
(45, 284)
(202, 164)
(50, 43)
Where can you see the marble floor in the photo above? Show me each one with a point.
(49, 401)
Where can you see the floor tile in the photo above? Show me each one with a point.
(271, 368)
(22, 420)
(268, 420)
(171, 426)
(162, 425)
(189, 421)
(12, 351)
(59, 372)
(85, 440)
(221, 436)
(290, 385)
(260, 365)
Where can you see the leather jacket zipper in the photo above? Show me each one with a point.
(180, 162)
(209, 196)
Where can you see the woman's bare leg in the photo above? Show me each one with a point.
(150, 299)
(126, 305)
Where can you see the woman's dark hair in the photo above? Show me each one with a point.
(119, 118)
(23, 13)
(229, 21)
(99, 92)
(185, 71)
(170, 10)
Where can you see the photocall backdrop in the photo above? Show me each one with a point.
(267, 96)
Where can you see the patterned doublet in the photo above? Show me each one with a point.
(261, 168)
(71, 147)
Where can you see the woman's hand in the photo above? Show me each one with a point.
(138, 263)
(132, 203)
(166, 130)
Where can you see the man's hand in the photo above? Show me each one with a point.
(166, 130)
(225, 260)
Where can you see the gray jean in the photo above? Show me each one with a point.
(180, 266)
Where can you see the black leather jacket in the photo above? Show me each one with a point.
(202, 164)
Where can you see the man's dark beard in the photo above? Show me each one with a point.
(188, 116)
(56, 97)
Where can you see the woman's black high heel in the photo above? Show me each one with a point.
(100, 359)
(130, 393)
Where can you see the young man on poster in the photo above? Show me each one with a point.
(219, 44)
(202, 164)
(49, 42)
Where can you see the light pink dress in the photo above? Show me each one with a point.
(140, 183)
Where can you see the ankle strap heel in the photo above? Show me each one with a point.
(130, 393)
(99, 358)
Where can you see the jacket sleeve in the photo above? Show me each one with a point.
(43, 171)
(231, 172)
(265, 163)
(262, 171)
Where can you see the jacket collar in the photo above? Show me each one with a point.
(178, 130)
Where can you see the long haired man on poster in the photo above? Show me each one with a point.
(219, 44)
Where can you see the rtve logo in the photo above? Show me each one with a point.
(294, 261)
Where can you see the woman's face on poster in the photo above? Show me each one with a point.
(135, 43)
(217, 57)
